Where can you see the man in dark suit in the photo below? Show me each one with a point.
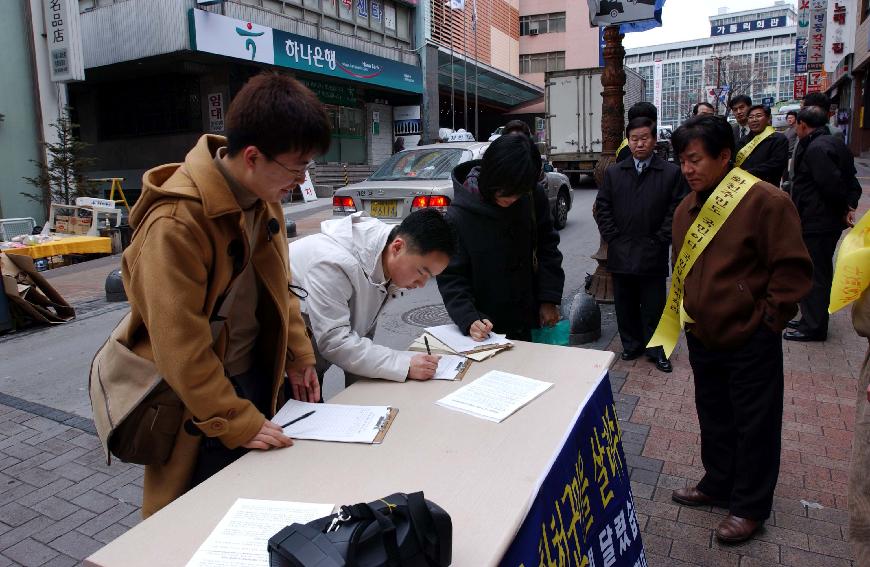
(635, 207)
(637, 110)
(825, 192)
(765, 153)
(740, 106)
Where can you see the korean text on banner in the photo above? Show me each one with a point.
(852, 270)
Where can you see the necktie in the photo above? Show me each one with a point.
(640, 167)
(743, 132)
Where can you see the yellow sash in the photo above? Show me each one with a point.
(621, 146)
(716, 210)
(852, 272)
(753, 143)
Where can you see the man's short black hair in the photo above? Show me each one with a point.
(641, 122)
(714, 132)
(742, 98)
(820, 100)
(517, 126)
(813, 116)
(643, 108)
(765, 109)
(507, 168)
(426, 231)
(792, 113)
(700, 104)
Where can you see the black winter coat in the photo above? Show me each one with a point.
(769, 159)
(491, 275)
(634, 214)
(824, 184)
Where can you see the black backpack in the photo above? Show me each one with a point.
(398, 530)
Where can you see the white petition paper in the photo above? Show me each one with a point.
(495, 395)
(332, 422)
(241, 537)
(449, 367)
(451, 336)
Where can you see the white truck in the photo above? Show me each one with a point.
(573, 112)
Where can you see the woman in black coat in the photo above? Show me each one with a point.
(506, 275)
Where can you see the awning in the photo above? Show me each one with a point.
(536, 106)
(494, 86)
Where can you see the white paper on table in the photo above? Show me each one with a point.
(449, 367)
(241, 537)
(451, 336)
(332, 422)
(437, 347)
(495, 395)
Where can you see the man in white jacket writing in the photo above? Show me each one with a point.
(350, 271)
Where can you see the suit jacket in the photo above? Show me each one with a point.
(738, 143)
(769, 159)
(634, 214)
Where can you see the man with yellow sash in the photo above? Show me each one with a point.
(740, 267)
(765, 154)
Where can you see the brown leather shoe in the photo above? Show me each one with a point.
(734, 529)
(691, 496)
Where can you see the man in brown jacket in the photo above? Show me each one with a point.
(201, 225)
(738, 296)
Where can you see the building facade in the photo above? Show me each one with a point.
(748, 52)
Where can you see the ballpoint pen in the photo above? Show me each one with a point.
(426, 340)
(300, 418)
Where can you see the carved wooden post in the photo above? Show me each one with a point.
(612, 127)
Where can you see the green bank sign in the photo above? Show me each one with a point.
(213, 33)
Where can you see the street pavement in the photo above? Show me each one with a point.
(59, 501)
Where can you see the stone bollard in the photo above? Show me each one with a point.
(115, 287)
(291, 228)
(585, 318)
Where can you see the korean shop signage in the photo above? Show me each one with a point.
(750, 26)
(221, 35)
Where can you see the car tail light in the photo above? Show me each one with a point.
(343, 205)
(439, 202)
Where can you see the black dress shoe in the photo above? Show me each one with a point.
(793, 324)
(795, 335)
(664, 364)
(630, 354)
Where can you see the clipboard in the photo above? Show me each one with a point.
(385, 426)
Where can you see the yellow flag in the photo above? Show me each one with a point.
(622, 145)
(716, 210)
(852, 271)
(751, 145)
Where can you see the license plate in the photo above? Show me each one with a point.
(385, 209)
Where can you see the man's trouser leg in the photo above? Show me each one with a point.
(814, 307)
(653, 295)
(627, 298)
(739, 400)
(859, 479)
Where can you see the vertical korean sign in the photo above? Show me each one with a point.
(657, 84)
(64, 38)
(800, 86)
(583, 513)
(840, 36)
(216, 112)
(816, 39)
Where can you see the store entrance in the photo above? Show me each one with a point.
(348, 135)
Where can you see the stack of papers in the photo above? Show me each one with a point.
(241, 537)
(335, 422)
(495, 395)
(451, 367)
(448, 339)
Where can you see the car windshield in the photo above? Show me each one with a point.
(433, 163)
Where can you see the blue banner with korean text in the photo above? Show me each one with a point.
(583, 514)
(306, 54)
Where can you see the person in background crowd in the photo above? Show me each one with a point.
(737, 298)
(521, 128)
(399, 144)
(637, 110)
(703, 108)
(740, 106)
(821, 100)
(350, 271)
(765, 154)
(791, 132)
(635, 209)
(825, 191)
(859, 480)
(199, 225)
(506, 275)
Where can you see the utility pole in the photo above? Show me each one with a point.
(476, 64)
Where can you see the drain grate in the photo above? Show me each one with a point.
(427, 316)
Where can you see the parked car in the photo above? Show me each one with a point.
(420, 177)
(496, 133)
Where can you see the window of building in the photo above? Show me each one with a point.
(542, 62)
(786, 74)
(669, 113)
(692, 90)
(765, 74)
(762, 42)
(690, 51)
(646, 72)
(160, 105)
(542, 23)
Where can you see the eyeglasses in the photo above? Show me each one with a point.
(297, 174)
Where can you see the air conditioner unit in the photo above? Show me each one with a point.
(533, 29)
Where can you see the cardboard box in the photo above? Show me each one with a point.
(62, 223)
(80, 225)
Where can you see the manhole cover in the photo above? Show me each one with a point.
(427, 316)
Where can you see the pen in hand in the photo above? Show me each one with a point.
(300, 418)
(426, 340)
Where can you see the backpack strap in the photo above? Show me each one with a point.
(424, 528)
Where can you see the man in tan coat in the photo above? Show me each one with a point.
(201, 225)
